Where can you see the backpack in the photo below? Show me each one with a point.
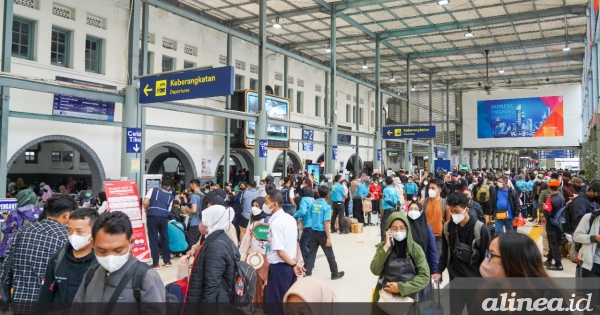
(477, 240)
(483, 193)
(173, 307)
(286, 195)
(564, 218)
(443, 208)
(245, 276)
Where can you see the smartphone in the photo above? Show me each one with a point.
(391, 237)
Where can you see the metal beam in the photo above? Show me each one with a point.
(456, 25)
(187, 130)
(357, 134)
(523, 76)
(204, 110)
(466, 50)
(51, 86)
(7, 30)
(292, 124)
(64, 119)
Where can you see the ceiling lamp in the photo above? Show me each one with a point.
(468, 33)
(547, 79)
(443, 2)
(364, 65)
(478, 83)
(392, 79)
(413, 88)
(501, 71)
(276, 24)
(509, 81)
(328, 49)
(567, 48)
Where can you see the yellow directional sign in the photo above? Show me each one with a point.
(147, 89)
(397, 132)
(161, 88)
(389, 132)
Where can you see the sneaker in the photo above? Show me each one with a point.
(548, 263)
(344, 232)
(555, 268)
(167, 265)
(338, 275)
(156, 267)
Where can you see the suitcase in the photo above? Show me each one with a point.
(178, 290)
(373, 218)
(347, 224)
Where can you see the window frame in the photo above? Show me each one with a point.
(348, 113)
(317, 106)
(241, 79)
(360, 116)
(67, 53)
(99, 43)
(34, 160)
(354, 114)
(277, 90)
(190, 63)
(31, 40)
(254, 82)
(299, 102)
(56, 156)
(167, 58)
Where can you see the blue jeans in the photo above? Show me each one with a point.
(508, 224)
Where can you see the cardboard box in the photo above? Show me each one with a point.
(357, 228)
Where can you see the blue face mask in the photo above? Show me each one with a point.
(88, 195)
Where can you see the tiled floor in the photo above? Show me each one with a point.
(354, 253)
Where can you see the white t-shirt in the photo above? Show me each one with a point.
(283, 235)
(149, 194)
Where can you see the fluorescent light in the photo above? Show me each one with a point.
(443, 2)
(364, 65)
(276, 24)
(468, 33)
(413, 88)
(392, 79)
(501, 71)
(328, 50)
(567, 48)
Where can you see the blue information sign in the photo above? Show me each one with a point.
(134, 140)
(441, 154)
(334, 152)
(556, 154)
(263, 148)
(8, 204)
(409, 132)
(344, 139)
(187, 85)
(80, 107)
(378, 155)
(410, 156)
(307, 147)
(308, 135)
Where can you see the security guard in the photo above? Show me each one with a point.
(157, 205)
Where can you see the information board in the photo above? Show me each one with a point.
(79, 107)
(7, 204)
(408, 132)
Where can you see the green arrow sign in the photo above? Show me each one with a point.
(261, 232)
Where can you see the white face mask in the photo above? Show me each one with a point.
(432, 193)
(457, 218)
(414, 214)
(399, 236)
(266, 209)
(500, 185)
(113, 263)
(425, 183)
(256, 211)
(78, 242)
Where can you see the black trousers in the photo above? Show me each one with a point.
(384, 217)
(553, 234)
(193, 236)
(338, 209)
(281, 277)
(319, 239)
(357, 210)
(158, 226)
(375, 205)
(594, 273)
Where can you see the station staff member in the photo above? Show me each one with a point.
(281, 251)
(391, 199)
(157, 205)
(337, 199)
(361, 194)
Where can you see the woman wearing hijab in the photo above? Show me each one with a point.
(251, 247)
(213, 270)
(399, 262)
(47, 193)
(422, 234)
(63, 190)
(88, 201)
(26, 212)
(310, 295)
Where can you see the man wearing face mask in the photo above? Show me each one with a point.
(119, 276)
(474, 207)
(435, 211)
(472, 238)
(67, 266)
(505, 205)
(28, 254)
(391, 200)
(157, 204)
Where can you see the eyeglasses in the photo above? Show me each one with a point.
(489, 255)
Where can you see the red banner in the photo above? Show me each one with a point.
(123, 196)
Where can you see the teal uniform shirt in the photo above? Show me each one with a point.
(321, 212)
(337, 193)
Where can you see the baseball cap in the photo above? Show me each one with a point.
(554, 183)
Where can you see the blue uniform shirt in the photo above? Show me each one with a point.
(390, 195)
(337, 193)
(320, 213)
(411, 188)
(362, 190)
(195, 199)
(177, 241)
(304, 211)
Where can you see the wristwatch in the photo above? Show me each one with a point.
(294, 266)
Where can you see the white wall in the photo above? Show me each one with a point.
(208, 46)
(572, 118)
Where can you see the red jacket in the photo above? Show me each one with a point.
(375, 191)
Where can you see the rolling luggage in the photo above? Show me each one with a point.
(373, 218)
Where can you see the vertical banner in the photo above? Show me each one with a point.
(334, 152)
(410, 156)
(263, 148)
(206, 168)
(378, 155)
(123, 196)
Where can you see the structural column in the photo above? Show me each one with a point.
(481, 163)
(357, 169)
(228, 121)
(130, 106)
(260, 164)
(448, 120)
(5, 67)
(595, 144)
(330, 163)
(408, 145)
(490, 155)
(378, 111)
(431, 149)
(472, 161)
(287, 95)
(142, 109)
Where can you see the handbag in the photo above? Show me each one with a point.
(367, 205)
(398, 269)
(394, 304)
(501, 214)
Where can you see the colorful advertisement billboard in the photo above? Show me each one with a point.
(533, 117)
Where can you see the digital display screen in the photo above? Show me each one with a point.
(79, 107)
(276, 108)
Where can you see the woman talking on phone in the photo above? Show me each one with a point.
(399, 263)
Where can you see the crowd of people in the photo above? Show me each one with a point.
(461, 222)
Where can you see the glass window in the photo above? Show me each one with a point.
(148, 64)
(254, 84)
(56, 156)
(290, 95)
(167, 64)
(348, 113)
(360, 116)
(325, 109)
(372, 119)
(31, 157)
(22, 38)
(239, 82)
(278, 90)
(60, 47)
(317, 106)
(354, 114)
(299, 100)
(188, 65)
(93, 54)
